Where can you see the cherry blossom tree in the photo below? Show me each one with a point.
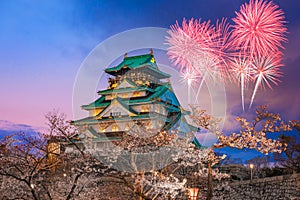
(252, 134)
(290, 158)
(34, 167)
(38, 168)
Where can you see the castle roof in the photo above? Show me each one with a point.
(146, 61)
(157, 92)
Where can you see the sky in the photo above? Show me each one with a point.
(43, 43)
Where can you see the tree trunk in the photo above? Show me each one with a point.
(209, 181)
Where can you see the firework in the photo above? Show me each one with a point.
(266, 70)
(224, 49)
(247, 51)
(199, 45)
(189, 43)
(241, 72)
(200, 48)
(259, 28)
(190, 76)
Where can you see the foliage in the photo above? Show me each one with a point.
(38, 168)
(290, 158)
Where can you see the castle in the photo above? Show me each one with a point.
(138, 94)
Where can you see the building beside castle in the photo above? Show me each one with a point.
(138, 94)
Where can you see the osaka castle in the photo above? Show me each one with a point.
(138, 93)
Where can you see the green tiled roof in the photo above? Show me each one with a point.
(123, 90)
(173, 122)
(92, 130)
(196, 143)
(94, 120)
(158, 91)
(135, 62)
(98, 103)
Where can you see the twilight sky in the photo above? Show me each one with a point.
(43, 43)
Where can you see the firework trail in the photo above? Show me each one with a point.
(241, 70)
(266, 70)
(190, 76)
(259, 28)
(258, 33)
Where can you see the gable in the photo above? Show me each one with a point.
(115, 109)
(126, 84)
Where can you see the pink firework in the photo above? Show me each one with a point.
(259, 28)
(241, 72)
(189, 43)
(266, 70)
(223, 39)
(189, 75)
(199, 45)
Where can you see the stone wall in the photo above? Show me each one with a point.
(273, 188)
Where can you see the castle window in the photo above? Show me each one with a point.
(113, 96)
(114, 128)
(145, 108)
(136, 93)
(125, 95)
(157, 108)
(102, 129)
(115, 114)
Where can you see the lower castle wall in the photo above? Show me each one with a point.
(273, 188)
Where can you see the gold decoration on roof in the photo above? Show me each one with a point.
(152, 60)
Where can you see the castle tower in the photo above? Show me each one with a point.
(138, 93)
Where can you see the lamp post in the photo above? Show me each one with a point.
(193, 193)
(251, 170)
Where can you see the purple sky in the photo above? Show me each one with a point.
(43, 43)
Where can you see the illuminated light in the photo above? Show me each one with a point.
(136, 93)
(114, 128)
(96, 111)
(139, 82)
(102, 129)
(114, 85)
(145, 108)
(125, 95)
(193, 193)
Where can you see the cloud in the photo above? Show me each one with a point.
(13, 127)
